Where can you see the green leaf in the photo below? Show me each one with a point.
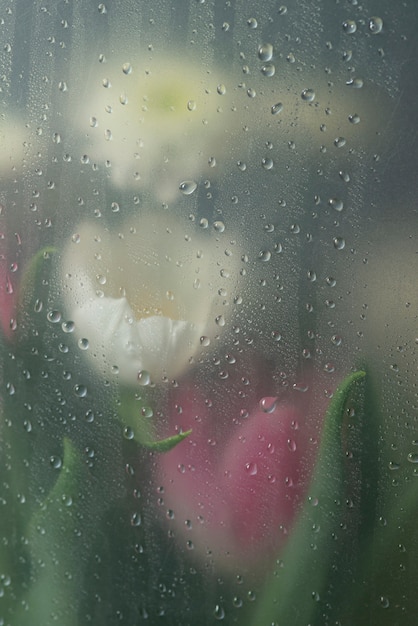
(294, 594)
(132, 412)
(57, 547)
(164, 445)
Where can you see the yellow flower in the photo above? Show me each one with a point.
(146, 299)
(155, 124)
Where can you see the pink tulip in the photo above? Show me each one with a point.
(232, 489)
(7, 292)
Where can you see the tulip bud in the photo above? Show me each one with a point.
(232, 489)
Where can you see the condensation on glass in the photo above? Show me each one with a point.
(208, 312)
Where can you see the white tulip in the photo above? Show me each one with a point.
(154, 123)
(146, 298)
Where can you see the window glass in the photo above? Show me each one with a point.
(208, 312)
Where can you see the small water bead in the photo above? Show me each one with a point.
(188, 187)
(336, 204)
(221, 89)
(282, 10)
(356, 83)
(68, 327)
(339, 243)
(413, 457)
(219, 226)
(242, 166)
(264, 255)
(339, 142)
(83, 344)
(267, 163)
(354, 118)
(252, 23)
(268, 405)
(55, 462)
(54, 317)
(375, 25)
(80, 391)
(219, 613)
(127, 68)
(251, 468)
(205, 341)
(349, 27)
(144, 378)
(268, 70)
(265, 52)
(308, 95)
(191, 105)
(277, 108)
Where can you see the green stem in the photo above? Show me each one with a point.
(295, 594)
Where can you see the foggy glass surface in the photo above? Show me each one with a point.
(208, 312)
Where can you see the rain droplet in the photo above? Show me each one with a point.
(80, 391)
(221, 89)
(144, 378)
(340, 142)
(83, 344)
(277, 108)
(68, 327)
(252, 23)
(187, 187)
(251, 468)
(339, 243)
(267, 163)
(375, 25)
(349, 27)
(265, 52)
(54, 317)
(308, 95)
(264, 255)
(268, 405)
(205, 341)
(55, 462)
(413, 457)
(220, 320)
(354, 118)
(268, 70)
(336, 204)
(219, 226)
(127, 68)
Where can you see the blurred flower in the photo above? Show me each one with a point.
(145, 299)
(155, 123)
(232, 494)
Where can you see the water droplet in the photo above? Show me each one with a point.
(375, 25)
(55, 462)
(267, 163)
(219, 226)
(339, 243)
(264, 255)
(336, 204)
(191, 105)
(136, 519)
(205, 341)
(265, 52)
(252, 23)
(220, 320)
(144, 378)
(354, 118)
(282, 10)
(340, 142)
(127, 68)
(268, 70)
(187, 187)
(413, 457)
(356, 83)
(384, 602)
(54, 317)
(268, 405)
(277, 108)
(80, 391)
(68, 327)
(251, 468)
(128, 433)
(308, 95)
(83, 344)
(221, 89)
(349, 27)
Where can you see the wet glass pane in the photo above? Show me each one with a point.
(208, 313)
